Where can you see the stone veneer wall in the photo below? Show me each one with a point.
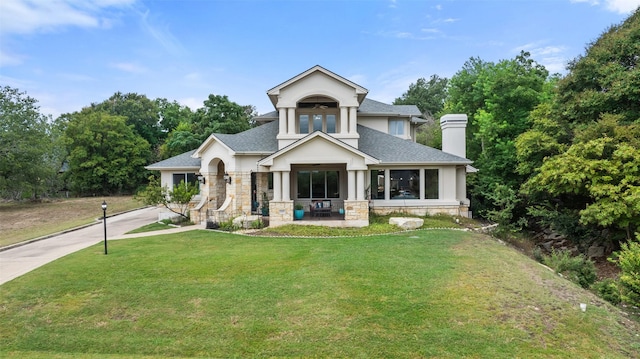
(356, 211)
(240, 187)
(280, 213)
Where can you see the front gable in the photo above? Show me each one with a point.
(318, 148)
(317, 81)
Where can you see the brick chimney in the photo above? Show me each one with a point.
(454, 140)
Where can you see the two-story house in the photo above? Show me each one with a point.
(327, 146)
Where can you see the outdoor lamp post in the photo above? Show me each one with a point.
(104, 220)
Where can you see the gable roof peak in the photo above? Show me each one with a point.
(273, 93)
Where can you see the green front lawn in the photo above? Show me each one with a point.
(437, 293)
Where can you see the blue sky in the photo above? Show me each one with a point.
(68, 54)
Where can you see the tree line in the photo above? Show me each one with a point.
(560, 152)
(103, 148)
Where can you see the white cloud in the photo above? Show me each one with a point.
(622, 6)
(619, 6)
(128, 67)
(28, 16)
(191, 102)
(553, 58)
(8, 59)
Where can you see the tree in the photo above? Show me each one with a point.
(429, 96)
(139, 112)
(586, 169)
(601, 169)
(106, 156)
(606, 79)
(180, 140)
(172, 114)
(219, 115)
(498, 99)
(176, 200)
(28, 165)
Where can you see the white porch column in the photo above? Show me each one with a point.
(353, 119)
(344, 120)
(277, 186)
(291, 120)
(351, 185)
(286, 185)
(282, 121)
(387, 184)
(360, 185)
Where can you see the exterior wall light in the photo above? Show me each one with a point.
(227, 178)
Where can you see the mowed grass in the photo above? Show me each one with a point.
(20, 221)
(436, 293)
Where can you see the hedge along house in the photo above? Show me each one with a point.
(326, 145)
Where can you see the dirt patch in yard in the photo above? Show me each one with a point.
(25, 220)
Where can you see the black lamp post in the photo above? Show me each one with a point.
(104, 220)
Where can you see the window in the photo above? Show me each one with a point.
(431, 188)
(331, 123)
(315, 121)
(405, 184)
(377, 184)
(396, 127)
(304, 124)
(318, 184)
(185, 177)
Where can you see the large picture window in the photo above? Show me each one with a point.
(431, 187)
(405, 184)
(318, 184)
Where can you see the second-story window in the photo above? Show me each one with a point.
(317, 116)
(396, 127)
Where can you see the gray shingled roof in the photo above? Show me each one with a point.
(387, 148)
(374, 107)
(183, 160)
(391, 149)
(258, 139)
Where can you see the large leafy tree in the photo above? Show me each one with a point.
(220, 115)
(598, 175)
(28, 161)
(105, 155)
(139, 112)
(429, 96)
(586, 177)
(498, 98)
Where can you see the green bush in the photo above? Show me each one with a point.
(608, 290)
(577, 269)
(228, 226)
(629, 262)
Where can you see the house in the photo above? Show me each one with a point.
(326, 145)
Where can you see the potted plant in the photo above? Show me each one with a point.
(265, 204)
(298, 212)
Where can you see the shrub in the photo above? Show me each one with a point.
(577, 269)
(257, 224)
(228, 226)
(608, 290)
(629, 262)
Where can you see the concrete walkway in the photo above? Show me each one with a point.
(24, 258)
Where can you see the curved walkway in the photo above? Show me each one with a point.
(25, 257)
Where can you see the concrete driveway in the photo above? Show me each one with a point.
(22, 259)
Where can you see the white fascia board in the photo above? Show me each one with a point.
(208, 142)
